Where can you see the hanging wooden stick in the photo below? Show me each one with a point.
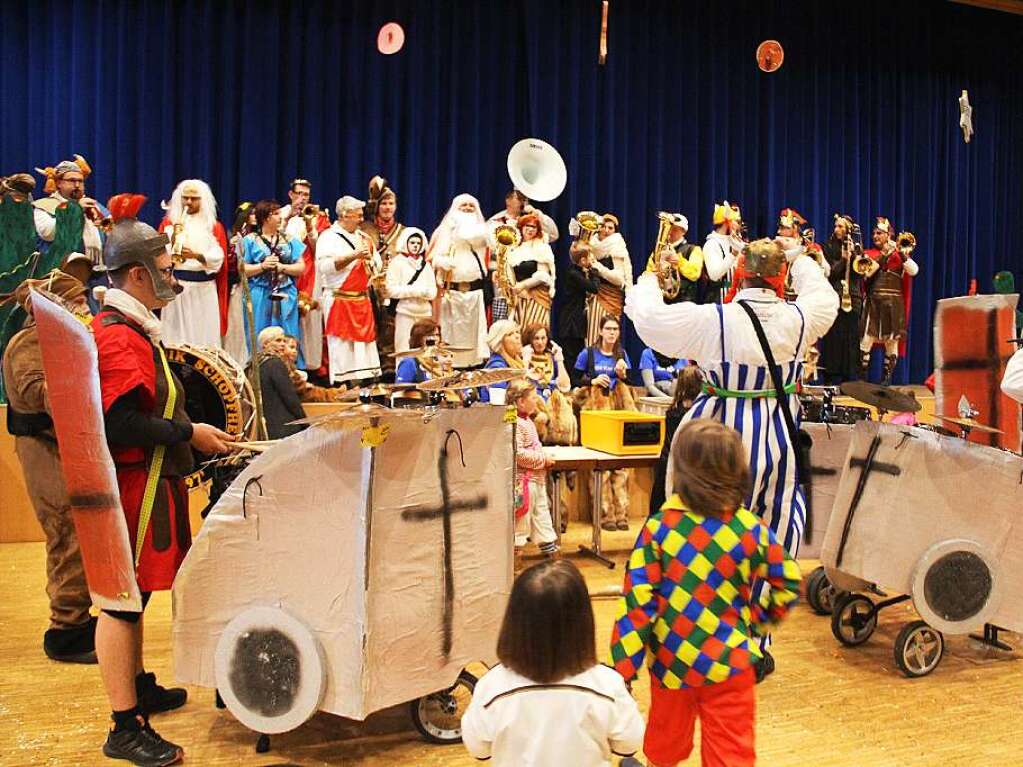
(603, 34)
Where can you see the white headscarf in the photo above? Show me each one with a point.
(406, 233)
(207, 209)
(469, 225)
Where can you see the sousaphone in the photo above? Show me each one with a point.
(537, 170)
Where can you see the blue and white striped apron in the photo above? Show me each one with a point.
(776, 496)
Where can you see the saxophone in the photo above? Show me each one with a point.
(507, 237)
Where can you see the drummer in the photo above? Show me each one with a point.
(424, 333)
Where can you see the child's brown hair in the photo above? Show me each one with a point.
(711, 470)
(548, 628)
(518, 389)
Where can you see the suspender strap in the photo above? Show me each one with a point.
(156, 462)
(802, 467)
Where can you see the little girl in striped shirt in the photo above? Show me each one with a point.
(533, 514)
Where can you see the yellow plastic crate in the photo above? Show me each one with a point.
(621, 432)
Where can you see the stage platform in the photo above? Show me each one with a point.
(825, 706)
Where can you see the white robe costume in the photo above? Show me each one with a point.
(458, 252)
(348, 360)
(194, 316)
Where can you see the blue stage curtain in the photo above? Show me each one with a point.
(861, 118)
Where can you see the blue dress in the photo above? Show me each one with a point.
(495, 362)
(267, 312)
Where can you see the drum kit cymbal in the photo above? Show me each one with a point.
(471, 379)
(887, 398)
(881, 397)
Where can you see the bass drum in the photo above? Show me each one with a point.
(217, 392)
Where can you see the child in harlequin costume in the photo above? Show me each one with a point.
(688, 599)
(533, 515)
(150, 439)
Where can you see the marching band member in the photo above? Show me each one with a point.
(611, 261)
(348, 264)
(411, 284)
(138, 388)
(531, 274)
(685, 257)
(719, 252)
(840, 348)
(67, 219)
(304, 222)
(739, 391)
(70, 637)
(385, 230)
(579, 283)
(281, 403)
(458, 252)
(272, 261)
(516, 205)
(888, 287)
(235, 341)
(199, 315)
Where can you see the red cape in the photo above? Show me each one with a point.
(308, 278)
(221, 279)
(907, 299)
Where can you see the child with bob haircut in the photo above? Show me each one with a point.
(548, 702)
(687, 599)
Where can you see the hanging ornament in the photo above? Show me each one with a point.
(391, 38)
(602, 57)
(965, 116)
(770, 55)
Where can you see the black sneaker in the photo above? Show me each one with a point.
(72, 645)
(153, 699)
(142, 746)
(765, 668)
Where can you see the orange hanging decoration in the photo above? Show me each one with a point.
(770, 56)
(603, 35)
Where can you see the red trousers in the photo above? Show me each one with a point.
(726, 711)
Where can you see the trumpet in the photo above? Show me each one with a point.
(667, 275)
(507, 237)
(310, 210)
(865, 266)
(906, 243)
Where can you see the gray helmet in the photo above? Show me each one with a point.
(132, 242)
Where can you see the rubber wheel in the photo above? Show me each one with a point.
(853, 620)
(820, 594)
(438, 716)
(918, 649)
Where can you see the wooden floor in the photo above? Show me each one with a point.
(825, 706)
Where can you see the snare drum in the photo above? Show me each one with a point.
(813, 412)
(217, 392)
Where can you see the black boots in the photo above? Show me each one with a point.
(889, 368)
(152, 698)
(766, 667)
(73, 645)
(138, 743)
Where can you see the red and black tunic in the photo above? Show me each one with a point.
(134, 389)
